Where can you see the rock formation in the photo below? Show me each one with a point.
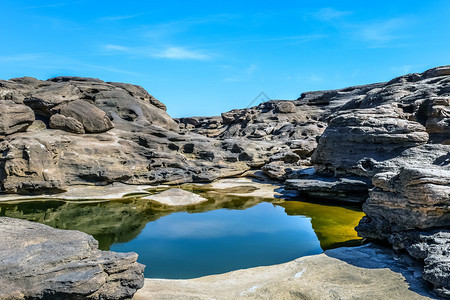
(86, 131)
(176, 197)
(390, 138)
(40, 262)
(388, 142)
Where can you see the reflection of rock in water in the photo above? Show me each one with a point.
(108, 222)
(333, 225)
(111, 222)
(120, 221)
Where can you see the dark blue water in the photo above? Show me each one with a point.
(185, 245)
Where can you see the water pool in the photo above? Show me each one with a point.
(203, 239)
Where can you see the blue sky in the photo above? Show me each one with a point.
(207, 57)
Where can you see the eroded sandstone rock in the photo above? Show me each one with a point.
(346, 189)
(14, 117)
(40, 262)
(176, 197)
(93, 119)
(70, 124)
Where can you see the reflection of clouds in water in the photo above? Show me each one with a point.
(222, 223)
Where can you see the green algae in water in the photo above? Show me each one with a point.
(333, 225)
(223, 234)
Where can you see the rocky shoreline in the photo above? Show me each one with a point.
(365, 272)
(386, 145)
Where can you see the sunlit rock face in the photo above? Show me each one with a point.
(14, 117)
(403, 113)
(84, 130)
(411, 210)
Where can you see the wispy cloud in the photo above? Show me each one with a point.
(313, 78)
(108, 69)
(171, 28)
(60, 4)
(329, 14)
(181, 54)
(376, 33)
(21, 57)
(111, 47)
(382, 32)
(120, 18)
(243, 74)
(298, 38)
(53, 61)
(405, 69)
(167, 52)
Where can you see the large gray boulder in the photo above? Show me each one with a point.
(356, 138)
(58, 121)
(345, 189)
(93, 119)
(413, 198)
(40, 262)
(14, 117)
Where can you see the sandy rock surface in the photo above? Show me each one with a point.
(366, 272)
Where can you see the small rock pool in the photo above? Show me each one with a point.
(226, 233)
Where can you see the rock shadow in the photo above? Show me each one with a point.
(371, 256)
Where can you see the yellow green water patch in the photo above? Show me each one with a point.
(333, 225)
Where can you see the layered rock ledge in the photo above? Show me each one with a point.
(40, 262)
(367, 272)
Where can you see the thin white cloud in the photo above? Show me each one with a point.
(295, 38)
(382, 32)
(243, 74)
(251, 69)
(329, 14)
(120, 18)
(181, 53)
(405, 69)
(21, 57)
(168, 52)
(314, 78)
(111, 47)
(53, 5)
(52, 61)
(108, 69)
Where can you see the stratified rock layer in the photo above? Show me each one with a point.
(367, 272)
(14, 117)
(40, 262)
(411, 210)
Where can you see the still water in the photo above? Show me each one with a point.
(224, 234)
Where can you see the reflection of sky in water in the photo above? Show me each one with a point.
(183, 245)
